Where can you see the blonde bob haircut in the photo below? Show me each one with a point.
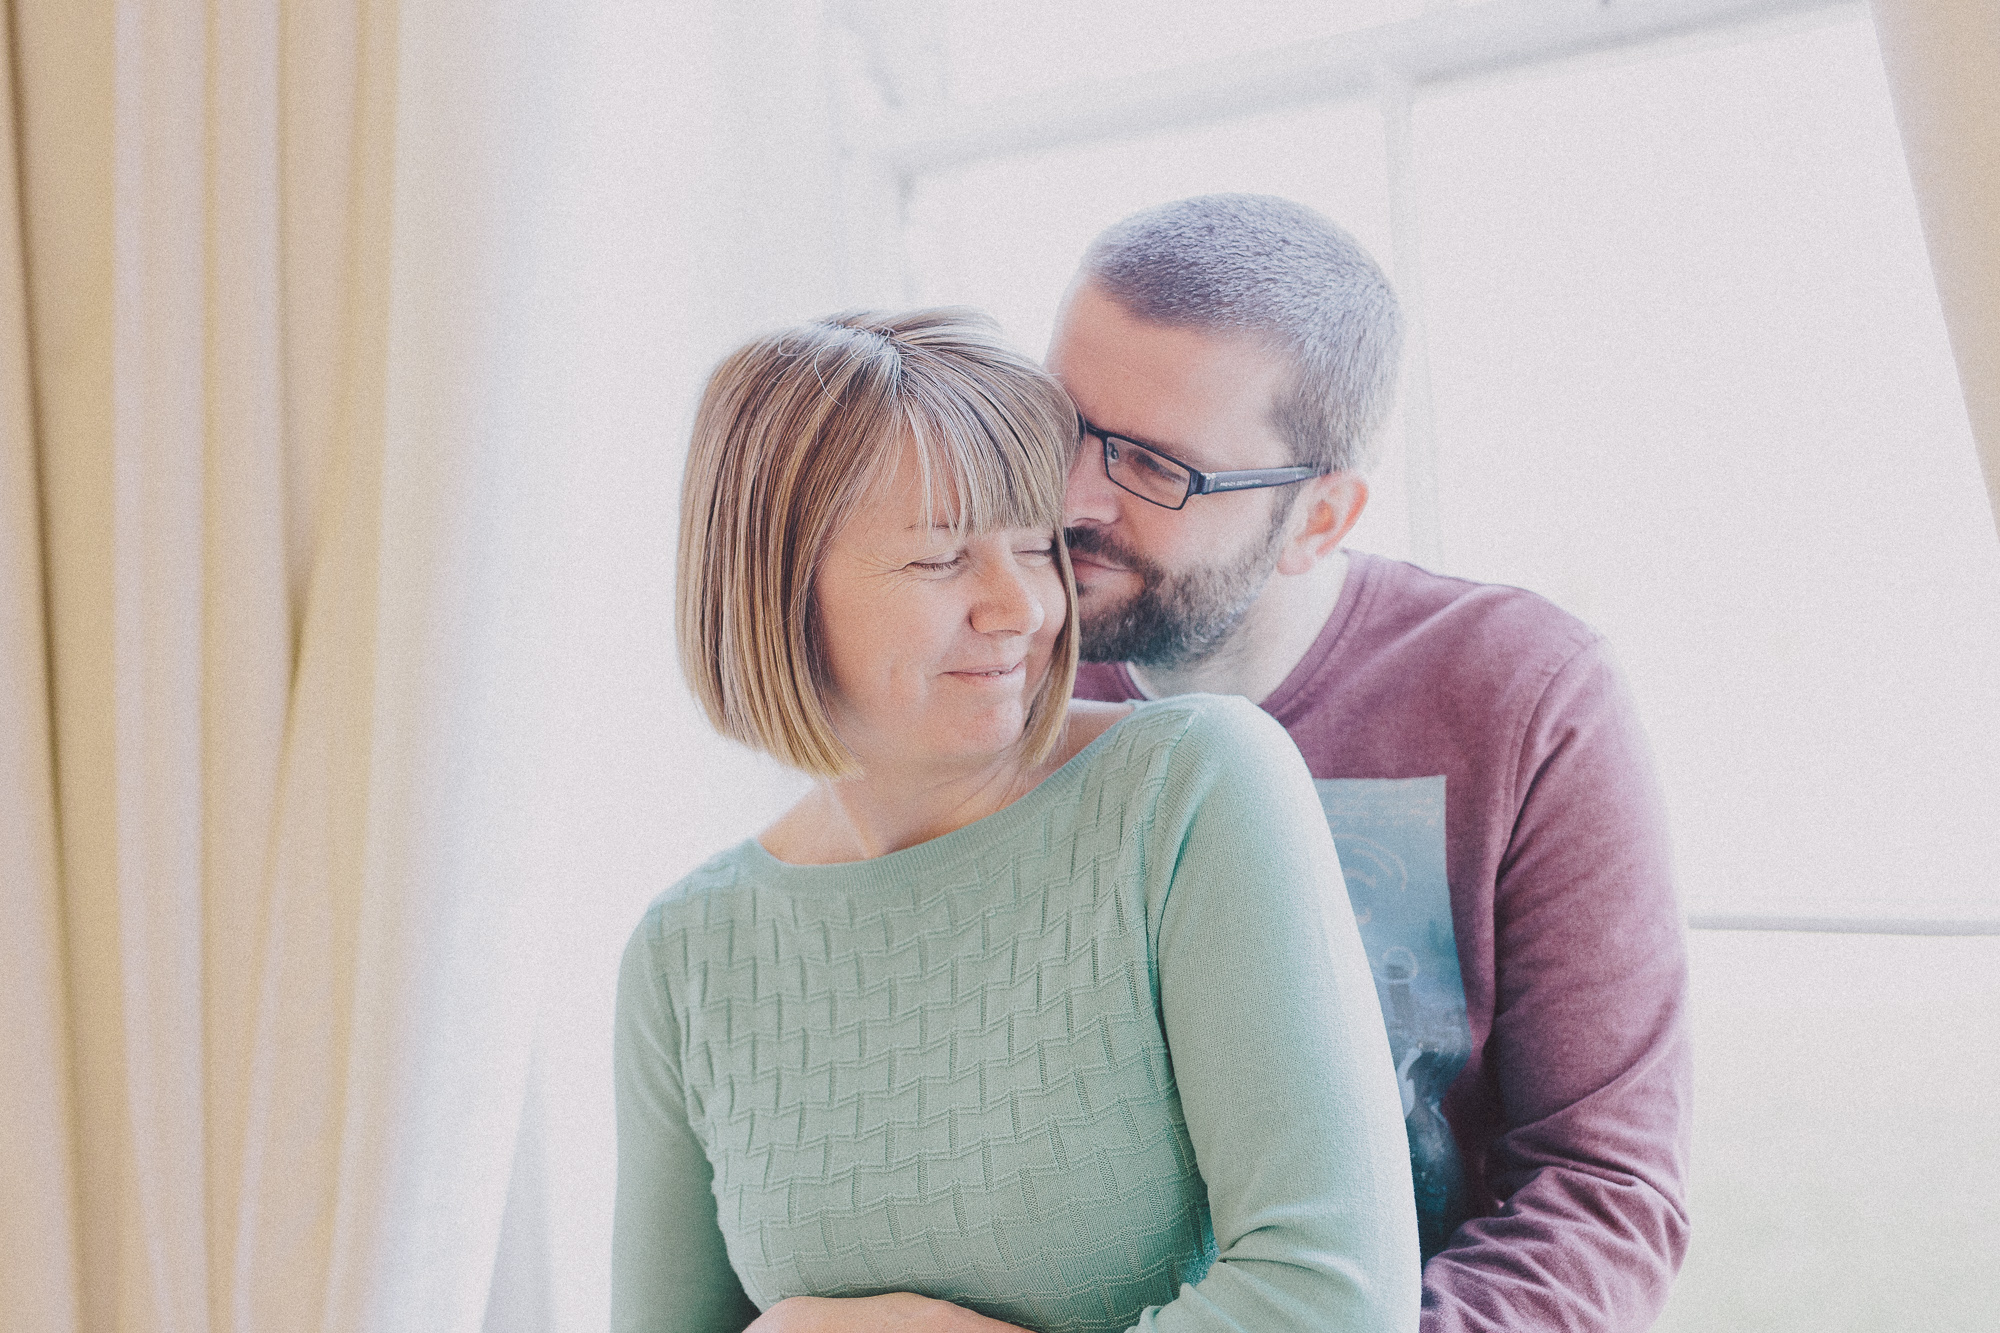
(794, 431)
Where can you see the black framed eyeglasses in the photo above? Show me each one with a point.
(1157, 478)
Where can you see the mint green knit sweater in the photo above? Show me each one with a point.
(1096, 1061)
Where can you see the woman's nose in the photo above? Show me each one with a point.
(1007, 602)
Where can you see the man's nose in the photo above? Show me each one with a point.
(1089, 497)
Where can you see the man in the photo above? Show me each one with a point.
(1485, 777)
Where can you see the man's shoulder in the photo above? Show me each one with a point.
(1437, 630)
(1421, 654)
(1405, 609)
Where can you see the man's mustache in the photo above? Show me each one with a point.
(1097, 542)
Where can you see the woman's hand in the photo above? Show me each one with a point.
(901, 1312)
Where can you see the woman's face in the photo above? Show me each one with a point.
(936, 644)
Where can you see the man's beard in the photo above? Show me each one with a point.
(1175, 619)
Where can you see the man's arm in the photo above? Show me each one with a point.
(1589, 1048)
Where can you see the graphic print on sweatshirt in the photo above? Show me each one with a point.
(1390, 835)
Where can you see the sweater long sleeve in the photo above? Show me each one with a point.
(1281, 1060)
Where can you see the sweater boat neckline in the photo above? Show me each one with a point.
(947, 850)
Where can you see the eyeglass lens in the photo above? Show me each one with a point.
(1144, 473)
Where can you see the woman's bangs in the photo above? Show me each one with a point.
(981, 471)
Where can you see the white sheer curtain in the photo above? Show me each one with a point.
(1943, 61)
(344, 347)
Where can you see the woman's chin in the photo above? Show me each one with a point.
(987, 733)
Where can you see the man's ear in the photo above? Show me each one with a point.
(1331, 505)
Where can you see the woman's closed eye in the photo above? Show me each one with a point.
(1039, 552)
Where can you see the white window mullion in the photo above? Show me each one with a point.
(1394, 95)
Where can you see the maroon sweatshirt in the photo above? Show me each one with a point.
(1491, 794)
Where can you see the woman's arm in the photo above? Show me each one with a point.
(669, 1272)
(1278, 1047)
(901, 1312)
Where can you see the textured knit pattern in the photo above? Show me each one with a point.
(940, 1041)
(957, 1069)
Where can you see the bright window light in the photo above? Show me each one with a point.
(1691, 381)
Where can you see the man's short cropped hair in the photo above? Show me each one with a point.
(793, 431)
(1276, 270)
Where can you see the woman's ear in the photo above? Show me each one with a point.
(1331, 505)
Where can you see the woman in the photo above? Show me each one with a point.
(1028, 1015)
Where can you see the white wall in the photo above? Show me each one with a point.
(673, 178)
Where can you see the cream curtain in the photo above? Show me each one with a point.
(345, 350)
(233, 935)
(1943, 62)
(38, 1277)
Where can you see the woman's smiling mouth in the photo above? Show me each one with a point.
(983, 674)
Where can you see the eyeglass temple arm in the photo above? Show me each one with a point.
(1207, 483)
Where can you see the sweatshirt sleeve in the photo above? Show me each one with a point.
(1589, 1047)
(669, 1271)
(1278, 1047)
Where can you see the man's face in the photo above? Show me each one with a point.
(1164, 587)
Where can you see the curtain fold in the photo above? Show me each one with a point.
(1943, 62)
(235, 786)
(38, 1275)
(346, 352)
